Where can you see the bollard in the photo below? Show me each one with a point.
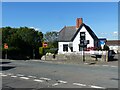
(106, 56)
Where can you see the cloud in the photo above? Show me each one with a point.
(115, 32)
(37, 29)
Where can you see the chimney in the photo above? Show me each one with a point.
(79, 21)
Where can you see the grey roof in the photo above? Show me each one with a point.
(69, 33)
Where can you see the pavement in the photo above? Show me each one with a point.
(113, 63)
(77, 62)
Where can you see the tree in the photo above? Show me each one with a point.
(106, 47)
(23, 38)
(51, 38)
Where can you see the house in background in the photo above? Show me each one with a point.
(114, 45)
(70, 38)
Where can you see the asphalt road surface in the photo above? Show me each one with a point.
(33, 74)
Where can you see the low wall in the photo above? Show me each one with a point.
(78, 56)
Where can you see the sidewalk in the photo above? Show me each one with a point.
(77, 62)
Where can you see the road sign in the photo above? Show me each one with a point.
(5, 46)
(45, 44)
(102, 43)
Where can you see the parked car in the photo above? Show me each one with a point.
(111, 54)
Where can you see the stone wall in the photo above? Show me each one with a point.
(73, 57)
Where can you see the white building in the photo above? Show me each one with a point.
(71, 36)
(114, 45)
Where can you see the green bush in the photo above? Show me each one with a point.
(53, 50)
(106, 47)
(11, 52)
(41, 51)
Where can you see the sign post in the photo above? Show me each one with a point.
(102, 43)
(6, 47)
(45, 45)
(83, 43)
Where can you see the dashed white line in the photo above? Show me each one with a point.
(55, 84)
(113, 66)
(13, 76)
(62, 81)
(20, 75)
(96, 65)
(9, 74)
(96, 87)
(32, 76)
(105, 65)
(79, 84)
(3, 75)
(86, 63)
(24, 78)
(45, 78)
(37, 80)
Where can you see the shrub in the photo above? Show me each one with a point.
(106, 47)
(41, 51)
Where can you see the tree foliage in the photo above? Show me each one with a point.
(23, 38)
(51, 38)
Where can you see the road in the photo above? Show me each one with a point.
(37, 74)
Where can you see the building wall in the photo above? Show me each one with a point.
(60, 47)
(76, 41)
(116, 48)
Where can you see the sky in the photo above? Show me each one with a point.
(101, 17)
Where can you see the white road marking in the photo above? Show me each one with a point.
(79, 84)
(20, 75)
(113, 66)
(3, 75)
(13, 76)
(96, 65)
(105, 65)
(45, 78)
(96, 87)
(86, 63)
(24, 78)
(55, 84)
(9, 74)
(37, 80)
(32, 76)
(62, 81)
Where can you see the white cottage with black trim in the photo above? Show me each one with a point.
(70, 38)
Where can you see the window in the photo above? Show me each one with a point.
(71, 48)
(88, 42)
(65, 47)
(82, 35)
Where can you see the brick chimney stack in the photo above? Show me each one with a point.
(79, 21)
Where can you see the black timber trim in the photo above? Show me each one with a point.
(88, 29)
